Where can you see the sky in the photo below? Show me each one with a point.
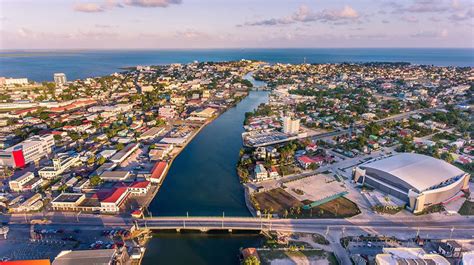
(188, 24)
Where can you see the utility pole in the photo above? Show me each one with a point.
(223, 215)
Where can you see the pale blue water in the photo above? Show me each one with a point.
(39, 65)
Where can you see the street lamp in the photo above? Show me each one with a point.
(223, 215)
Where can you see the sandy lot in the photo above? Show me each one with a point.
(314, 188)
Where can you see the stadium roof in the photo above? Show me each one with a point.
(419, 171)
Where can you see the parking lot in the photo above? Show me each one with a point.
(47, 241)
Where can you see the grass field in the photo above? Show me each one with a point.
(338, 208)
(276, 201)
(467, 208)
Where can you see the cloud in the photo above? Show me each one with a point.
(419, 6)
(152, 3)
(191, 34)
(304, 14)
(88, 8)
(431, 34)
(111, 4)
(465, 14)
(103, 26)
(410, 19)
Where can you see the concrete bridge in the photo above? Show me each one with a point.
(462, 226)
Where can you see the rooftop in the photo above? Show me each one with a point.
(85, 257)
(419, 171)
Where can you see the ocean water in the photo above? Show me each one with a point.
(39, 65)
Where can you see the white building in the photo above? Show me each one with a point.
(260, 173)
(14, 81)
(394, 256)
(24, 182)
(60, 79)
(419, 180)
(60, 164)
(291, 126)
(30, 150)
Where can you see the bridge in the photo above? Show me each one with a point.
(372, 225)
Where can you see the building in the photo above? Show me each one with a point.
(115, 176)
(158, 171)
(395, 256)
(167, 112)
(30, 150)
(260, 173)
(273, 173)
(291, 126)
(60, 165)
(60, 79)
(121, 155)
(139, 187)
(92, 257)
(34, 203)
(112, 202)
(205, 113)
(419, 180)
(151, 133)
(14, 81)
(67, 201)
(160, 151)
(450, 249)
(24, 182)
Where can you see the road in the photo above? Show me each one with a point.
(307, 225)
(434, 226)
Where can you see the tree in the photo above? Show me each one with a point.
(251, 260)
(101, 160)
(447, 157)
(95, 181)
(91, 160)
(119, 146)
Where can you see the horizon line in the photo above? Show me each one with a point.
(222, 48)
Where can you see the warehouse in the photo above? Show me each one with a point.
(419, 180)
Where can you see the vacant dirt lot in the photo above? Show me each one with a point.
(276, 201)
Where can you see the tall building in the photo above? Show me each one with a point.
(291, 126)
(60, 79)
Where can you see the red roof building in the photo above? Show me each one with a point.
(158, 171)
(114, 200)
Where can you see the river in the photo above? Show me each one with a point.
(203, 181)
